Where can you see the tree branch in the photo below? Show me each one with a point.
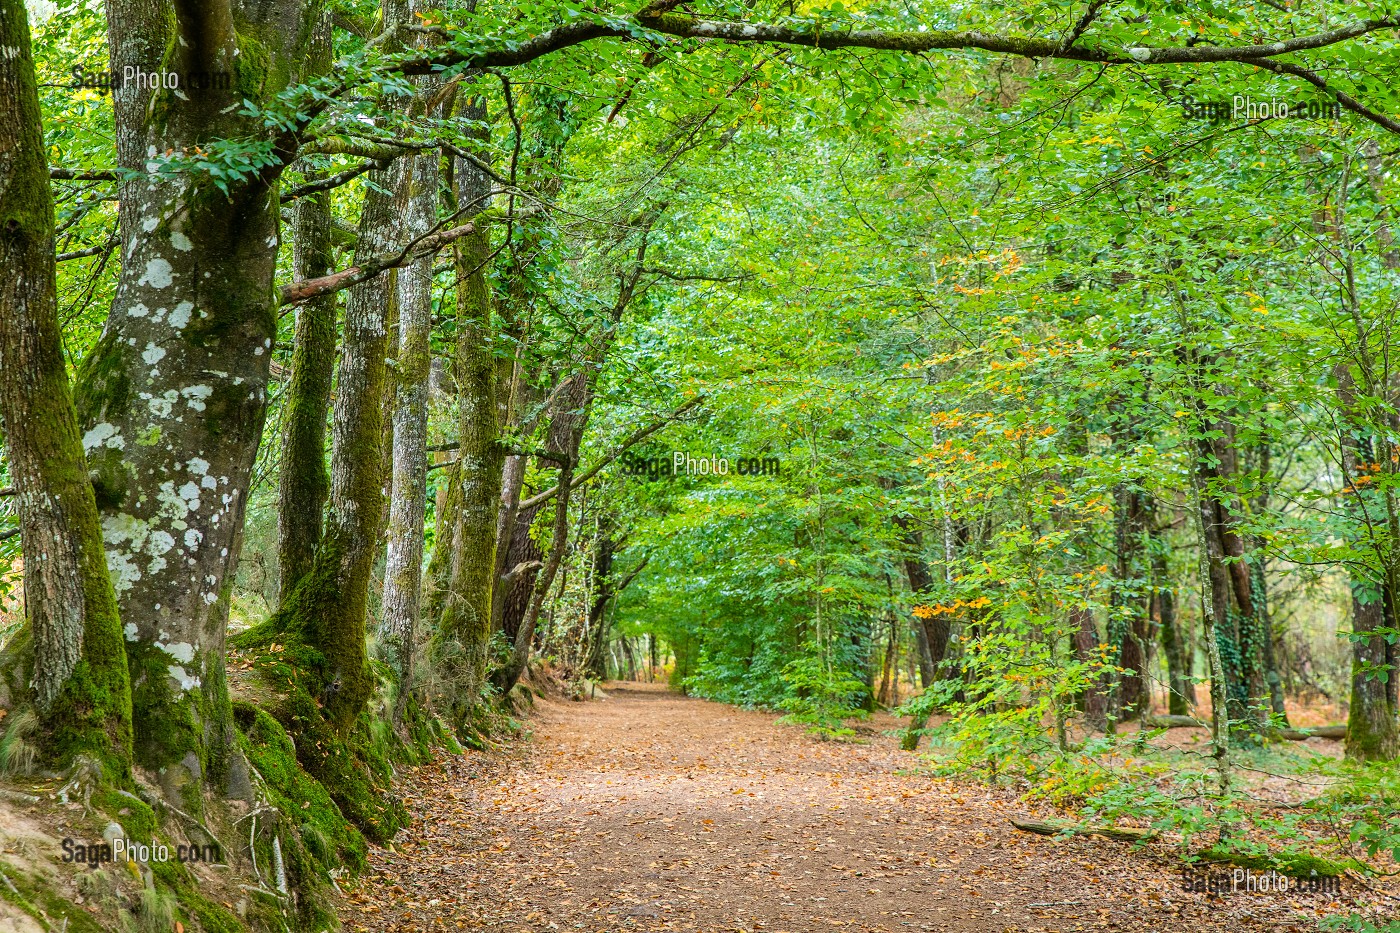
(307, 289)
(77, 174)
(631, 439)
(677, 24)
(627, 580)
(1341, 97)
(1082, 25)
(425, 245)
(333, 181)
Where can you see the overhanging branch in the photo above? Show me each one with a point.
(631, 439)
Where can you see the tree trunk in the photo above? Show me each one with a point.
(1176, 641)
(465, 633)
(1373, 731)
(566, 428)
(1230, 589)
(1087, 649)
(935, 630)
(403, 573)
(173, 397)
(303, 483)
(1129, 619)
(596, 631)
(79, 675)
(437, 579)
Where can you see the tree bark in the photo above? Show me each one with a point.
(1373, 730)
(173, 397)
(303, 483)
(1230, 589)
(1128, 611)
(79, 674)
(403, 574)
(1176, 641)
(328, 609)
(464, 635)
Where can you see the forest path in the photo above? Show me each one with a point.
(648, 811)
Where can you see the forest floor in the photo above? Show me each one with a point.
(648, 811)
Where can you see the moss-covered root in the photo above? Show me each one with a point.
(311, 834)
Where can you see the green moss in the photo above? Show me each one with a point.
(315, 835)
(192, 904)
(135, 816)
(1292, 864)
(37, 897)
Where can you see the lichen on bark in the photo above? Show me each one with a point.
(74, 652)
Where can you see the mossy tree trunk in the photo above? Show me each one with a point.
(327, 611)
(173, 397)
(1373, 729)
(79, 673)
(403, 573)
(1227, 582)
(323, 622)
(303, 483)
(1367, 454)
(464, 636)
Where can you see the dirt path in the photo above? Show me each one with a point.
(648, 812)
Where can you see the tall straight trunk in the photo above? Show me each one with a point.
(437, 578)
(464, 635)
(1130, 621)
(328, 609)
(173, 397)
(1214, 610)
(1273, 679)
(1176, 641)
(323, 621)
(303, 483)
(889, 668)
(1226, 633)
(1088, 650)
(403, 573)
(1229, 587)
(934, 631)
(1373, 730)
(79, 675)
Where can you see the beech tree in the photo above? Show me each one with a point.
(74, 671)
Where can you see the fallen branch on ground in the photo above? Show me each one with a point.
(1294, 735)
(1120, 833)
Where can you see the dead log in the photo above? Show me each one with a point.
(1120, 833)
(1295, 735)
